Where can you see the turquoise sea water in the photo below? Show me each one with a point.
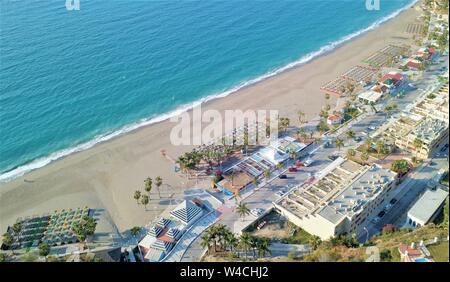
(71, 79)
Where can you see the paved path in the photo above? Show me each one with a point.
(189, 236)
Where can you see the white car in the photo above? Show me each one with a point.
(308, 162)
(279, 194)
(257, 212)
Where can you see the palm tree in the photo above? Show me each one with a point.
(315, 241)
(245, 242)
(255, 181)
(212, 233)
(380, 146)
(293, 155)
(44, 249)
(301, 117)
(206, 242)
(137, 196)
(221, 231)
(242, 210)
(17, 229)
(280, 166)
(400, 166)
(364, 156)
(135, 231)
(145, 200)
(351, 153)
(7, 239)
(253, 245)
(350, 134)
(322, 127)
(350, 87)
(263, 247)
(323, 113)
(339, 143)
(302, 133)
(231, 240)
(267, 173)
(368, 141)
(148, 185)
(84, 228)
(158, 183)
(237, 194)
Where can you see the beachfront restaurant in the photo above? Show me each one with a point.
(244, 172)
(370, 97)
(165, 233)
(391, 80)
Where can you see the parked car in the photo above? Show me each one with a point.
(381, 214)
(376, 219)
(333, 157)
(357, 138)
(393, 201)
(279, 194)
(388, 207)
(292, 169)
(308, 162)
(298, 164)
(261, 225)
(257, 212)
(282, 176)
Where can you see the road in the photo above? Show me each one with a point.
(408, 191)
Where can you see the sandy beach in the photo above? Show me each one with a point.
(106, 176)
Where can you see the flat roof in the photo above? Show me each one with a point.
(428, 129)
(427, 205)
(370, 95)
(352, 198)
(273, 155)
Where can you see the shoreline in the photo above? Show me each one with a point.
(38, 163)
(106, 175)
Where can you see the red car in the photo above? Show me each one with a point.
(292, 169)
(299, 164)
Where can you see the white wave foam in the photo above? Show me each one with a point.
(40, 162)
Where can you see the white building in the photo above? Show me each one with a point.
(335, 118)
(342, 198)
(426, 208)
(164, 234)
(370, 97)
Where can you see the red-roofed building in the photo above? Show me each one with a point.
(414, 64)
(391, 80)
(425, 53)
(335, 118)
(413, 253)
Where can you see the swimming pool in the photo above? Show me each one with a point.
(422, 260)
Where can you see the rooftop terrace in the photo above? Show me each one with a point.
(341, 191)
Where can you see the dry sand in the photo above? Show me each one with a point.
(106, 176)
